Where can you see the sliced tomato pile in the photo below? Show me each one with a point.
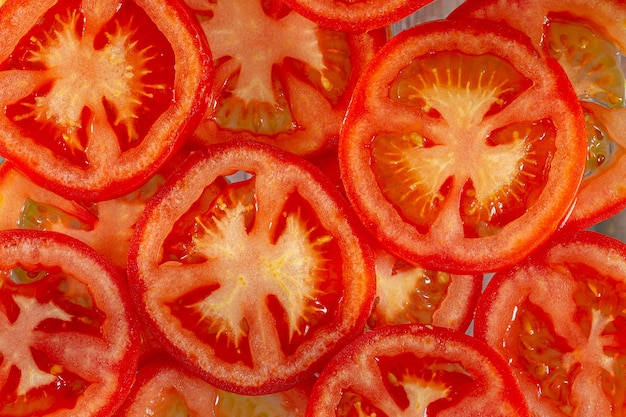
(312, 208)
(589, 41)
(286, 82)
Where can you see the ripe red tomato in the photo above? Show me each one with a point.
(164, 388)
(96, 96)
(356, 16)
(559, 320)
(280, 78)
(253, 285)
(416, 370)
(462, 149)
(69, 340)
(588, 39)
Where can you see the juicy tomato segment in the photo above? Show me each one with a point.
(460, 88)
(566, 348)
(591, 62)
(601, 148)
(408, 293)
(136, 74)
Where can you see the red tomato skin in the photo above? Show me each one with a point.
(460, 255)
(195, 77)
(342, 372)
(242, 152)
(17, 242)
(356, 16)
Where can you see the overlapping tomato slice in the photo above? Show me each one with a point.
(256, 283)
(106, 226)
(69, 342)
(589, 41)
(96, 96)
(558, 318)
(281, 79)
(462, 149)
(164, 388)
(416, 370)
(408, 293)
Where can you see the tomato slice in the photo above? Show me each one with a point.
(559, 319)
(97, 97)
(416, 370)
(106, 226)
(589, 41)
(356, 16)
(69, 340)
(257, 283)
(462, 149)
(164, 388)
(282, 80)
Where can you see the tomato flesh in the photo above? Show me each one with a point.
(589, 43)
(591, 62)
(135, 76)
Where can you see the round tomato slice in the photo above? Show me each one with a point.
(253, 285)
(106, 226)
(164, 388)
(462, 149)
(280, 78)
(589, 41)
(356, 16)
(416, 370)
(559, 319)
(69, 341)
(98, 95)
